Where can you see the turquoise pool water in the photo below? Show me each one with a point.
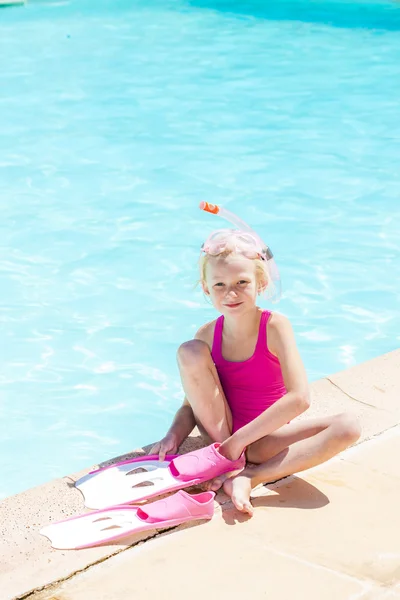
(116, 119)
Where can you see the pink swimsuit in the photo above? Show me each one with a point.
(253, 385)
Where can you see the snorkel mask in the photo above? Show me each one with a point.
(246, 242)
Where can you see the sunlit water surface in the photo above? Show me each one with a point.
(116, 119)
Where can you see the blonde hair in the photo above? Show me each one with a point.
(263, 277)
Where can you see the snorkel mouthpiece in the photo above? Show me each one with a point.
(211, 208)
(266, 255)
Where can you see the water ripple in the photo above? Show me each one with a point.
(112, 131)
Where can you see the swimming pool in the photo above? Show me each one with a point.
(116, 120)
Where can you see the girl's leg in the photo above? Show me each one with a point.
(339, 432)
(203, 390)
(291, 449)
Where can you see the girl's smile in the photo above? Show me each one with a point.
(233, 305)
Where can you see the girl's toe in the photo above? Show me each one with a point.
(249, 508)
(215, 485)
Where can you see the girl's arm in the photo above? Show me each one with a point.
(282, 343)
(182, 425)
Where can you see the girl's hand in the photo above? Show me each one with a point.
(168, 445)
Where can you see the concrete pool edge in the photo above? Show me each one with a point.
(322, 528)
(370, 390)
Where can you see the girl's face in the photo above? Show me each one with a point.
(231, 283)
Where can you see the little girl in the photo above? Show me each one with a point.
(244, 380)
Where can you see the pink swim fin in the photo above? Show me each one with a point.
(118, 522)
(146, 477)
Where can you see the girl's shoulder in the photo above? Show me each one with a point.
(277, 321)
(206, 333)
(279, 332)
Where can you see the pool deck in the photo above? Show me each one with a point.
(331, 532)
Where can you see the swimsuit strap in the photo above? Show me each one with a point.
(217, 339)
(261, 345)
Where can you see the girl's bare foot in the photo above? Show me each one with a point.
(239, 489)
(218, 482)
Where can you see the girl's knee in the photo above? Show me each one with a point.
(193, 353)
(347, 428)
